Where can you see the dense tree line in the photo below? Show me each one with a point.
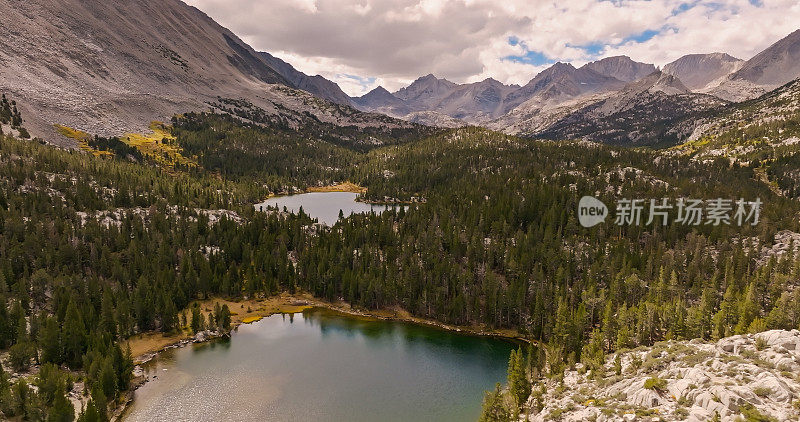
(93, 251)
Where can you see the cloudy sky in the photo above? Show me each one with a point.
(361, 44)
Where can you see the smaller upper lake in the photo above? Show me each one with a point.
(324, 206)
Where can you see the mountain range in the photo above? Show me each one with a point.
(609, 100)
(114, 67)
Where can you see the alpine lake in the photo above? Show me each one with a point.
(321, 365)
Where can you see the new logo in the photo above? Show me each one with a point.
(591, 211)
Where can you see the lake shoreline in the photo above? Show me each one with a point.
(346, 187)
(286, 303)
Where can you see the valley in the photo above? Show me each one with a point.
(181, 208)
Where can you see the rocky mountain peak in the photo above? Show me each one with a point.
(767, 70)
(697, 71)
(426, 89)
(317, 85)
(775, 66)
(657, 81)
(379, 90)
(621, 67)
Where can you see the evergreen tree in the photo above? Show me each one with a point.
(20, 397)
(90, 413)
(107, 318)
(5, 393)
(518, 385)
(494, 407)
(61, 410)
(108, 379)
(51, 383)
(50, 341)
(74, 336)
(198, 319)
(225, 318)
(748, 310)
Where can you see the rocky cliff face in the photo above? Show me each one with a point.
(697, 71)
(377, 98)
(426, 91)
(640, 113)
(767, 70)
(621, 67)
(316, 85)
(113, 67)
(739, 376)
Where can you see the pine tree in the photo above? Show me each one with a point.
(20, 397)
(62, 410)
(748, 310)
(593, 355)
(107, 317)
(108, 379)
(90, 413)
(518, 385)
(5, 392)
(726, 317)
(169, 317)
(494, 407)
(198, 320)
(225, 318)
(74, 336)
(215, 320)
(50, 383)
(50, 341)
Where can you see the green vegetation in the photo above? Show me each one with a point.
(95, 250)
(518, 384)
(9, 114)
(116, 147)
(764, 130)
(762, 391)
(494, 407)
(655, 383)
(751, 414)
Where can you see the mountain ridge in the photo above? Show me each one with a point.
(697, 71)
(776, 65)
(316, 85)
(115, 68)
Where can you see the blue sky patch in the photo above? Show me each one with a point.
(591, 49)
(682, 8)
(531, 57)
(641, 37)
(358, 79)
(535, 58)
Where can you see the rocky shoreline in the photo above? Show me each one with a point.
(141, 379)
(282, 304)
(139, 376)
(743, 377)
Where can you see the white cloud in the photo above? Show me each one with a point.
(395, 41)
